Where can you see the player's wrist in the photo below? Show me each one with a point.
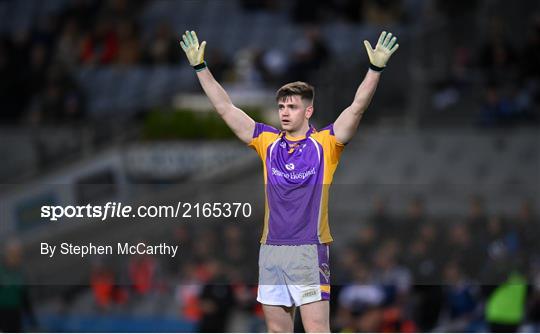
(200, 67)
(376, 68)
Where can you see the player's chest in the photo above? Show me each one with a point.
(295, 157)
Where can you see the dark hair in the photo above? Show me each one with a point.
(302, 89)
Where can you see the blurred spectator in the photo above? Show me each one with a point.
(528, 230)
(59, 101)
(498, 57)
(68, 46)
(477, 218)
(14, 299)
(245, 71)
(179, 236)
(34, 76)
(102, 284)
(533, 312)
(382, 12)
(100, 46)
(129, 48)
(429, 302)
(446, 94)
(395, 320)
(531, 51)
(496, 110)
(163, 46)
(424, 259)
(395, 278)
(424, 255)
(346, 262)
(461, 299)
(221, 65)
(216, 300)
(410, 225)
(461, 248)
(206, 247)
(81, 11)
(187, 293)
(362, 307)
(272, 64)
(310, 53)
(380, 219)
(120, 9)
(365, 242)
(530, 70)
(360, 299)
(143, 274)
(505, 307)
(105, 288)
(238, 261)
(503, 237)
(450, 90)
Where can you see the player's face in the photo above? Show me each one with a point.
(293, 113)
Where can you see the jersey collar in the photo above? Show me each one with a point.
(310, 130)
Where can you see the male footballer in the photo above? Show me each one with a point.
(299, 162)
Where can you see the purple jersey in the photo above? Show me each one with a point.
(297, 174)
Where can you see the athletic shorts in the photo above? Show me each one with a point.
(293, 275)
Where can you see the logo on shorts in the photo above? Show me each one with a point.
(309, 293)
(324, 269)
(289, 166)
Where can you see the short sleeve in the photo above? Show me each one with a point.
(263, 136)
(331, 146)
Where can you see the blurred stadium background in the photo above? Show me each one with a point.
(434, 207)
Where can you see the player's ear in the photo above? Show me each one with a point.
(309, 111)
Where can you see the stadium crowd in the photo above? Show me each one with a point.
(39, 63)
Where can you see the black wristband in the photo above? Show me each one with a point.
(200, 67)
(376, 68)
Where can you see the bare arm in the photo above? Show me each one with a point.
(346, 124)
(240, 123)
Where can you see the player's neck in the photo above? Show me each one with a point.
(299, 134)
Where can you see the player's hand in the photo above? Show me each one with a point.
(385, 47)
(190, 45)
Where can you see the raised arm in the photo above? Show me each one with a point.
(240, 123)
(346, 124)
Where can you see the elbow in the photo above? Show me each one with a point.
(222, 108)
(358, 107)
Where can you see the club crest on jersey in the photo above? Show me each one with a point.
(282, 144)
(289, 166)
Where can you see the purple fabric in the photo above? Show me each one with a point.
(324, 268)
(260, 128)
(295, 172)
(329, 127)
(324, 263)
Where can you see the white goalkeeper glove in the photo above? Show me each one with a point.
(194, 52)
(385, 47)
